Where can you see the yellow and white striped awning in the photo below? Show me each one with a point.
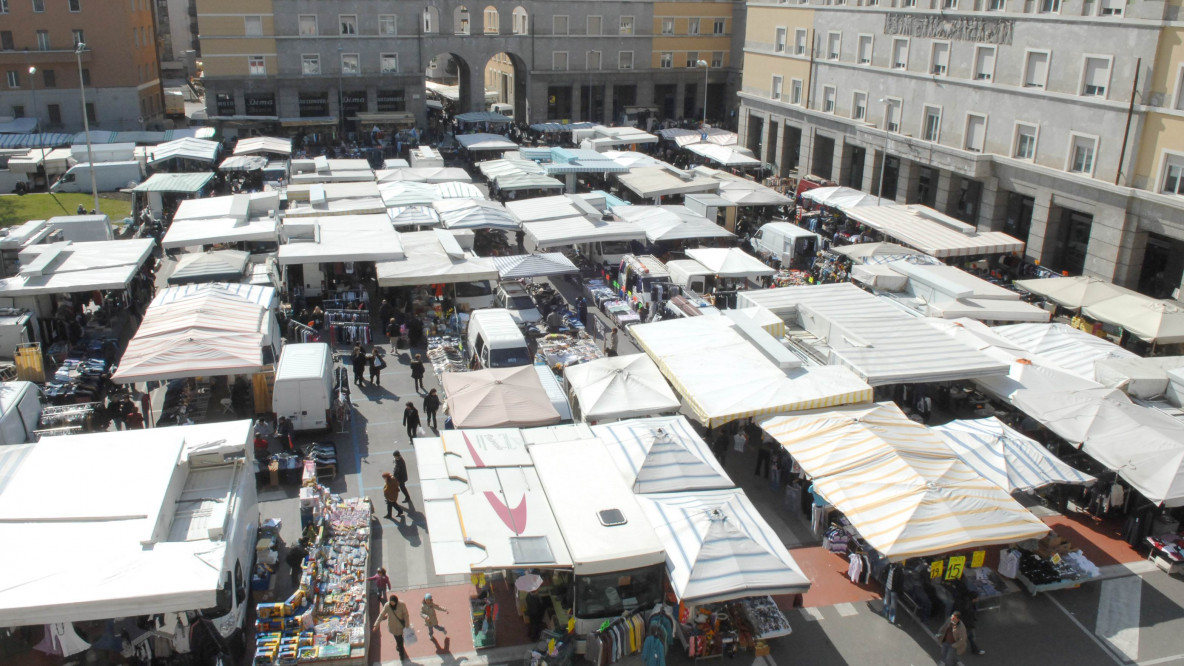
(898, 483)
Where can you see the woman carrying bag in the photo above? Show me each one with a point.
(395, 614)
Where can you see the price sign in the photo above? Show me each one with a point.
(936, 568)
(977, 558)
(954, 571)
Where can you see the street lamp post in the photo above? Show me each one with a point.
(884, 161)
(340, 93)
(37, 117)
(90, 151)
(706, 69)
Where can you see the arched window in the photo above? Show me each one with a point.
(431, 21)
(520, 21)
(461, 23)
(492, 21)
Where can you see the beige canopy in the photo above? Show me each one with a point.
(498, 398)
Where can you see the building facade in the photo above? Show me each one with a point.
(176, 33)
(304, 62)
(119, 66)
(1057, 121)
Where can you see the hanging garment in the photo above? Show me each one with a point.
(1116, 495)
(67, 640)
(855, 568)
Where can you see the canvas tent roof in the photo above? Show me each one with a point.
(406, 216)
(498, 398)
(67, 267)
(484, 117)
(1149, 319)
(898, 483)
(718, 547)
(932, 232)
(199, 150)
(518, 266)
(668, 223)
(685, 137)
(239, 206)
(424, 175)
(434, 257)
(729, 156)
(1073, 292)
(243, 163)
(1061, 346)
(730, 262)
(408, 193)
(661, 454)
(732, 378)
(656, 181)
(580, 160)
(620, 387)
(220, 265)
(485, 142)
(842, 197)
(1008, 459)
(183, 183)
(577, 230)
(110, 490)
(474, 214)
(346, 238)
(538, 209)
(263, 144)
(209, 231)
(869, 252)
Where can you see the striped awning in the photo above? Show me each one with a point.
(1003, 456)
(561, 127)
(932, 232)
(533, 265)
(898, 483)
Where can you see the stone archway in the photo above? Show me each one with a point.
(506, 74)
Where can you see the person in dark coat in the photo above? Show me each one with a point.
(295, 560)
(582, 310)
(431, 405)
(400, 475)
(411, 420)
(358, 358)
(417, 372)
(376, 363)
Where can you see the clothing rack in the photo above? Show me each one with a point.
(302, 332)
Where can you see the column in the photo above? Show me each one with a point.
(871, 170)
(371, 99)
(837, 160)
(992, 207)
(577, 106)
(608, 103)
(476, 91)
(906, 180)
(680, 93)
(1111, 253)
(1040, 231)
(942, 201)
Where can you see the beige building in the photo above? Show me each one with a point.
(1058, 121)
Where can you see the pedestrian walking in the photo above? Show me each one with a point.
(582, 310)
(395, 614)
(891, 583)
(394, 331)
(283, 432)
(952, 637)
(382, 584)
(411, 420)
(390, 493)
(358, 358)
(431, 405)
(970, 621)
(377, 363)
(428, 612)
(295, 560)
(764, 457)
(610, 343)
(417, 372)
(400, 475)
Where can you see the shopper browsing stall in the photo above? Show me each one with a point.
(395, 614)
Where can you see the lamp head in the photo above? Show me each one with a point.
(80, 47)
(32, 71)
(702, 63)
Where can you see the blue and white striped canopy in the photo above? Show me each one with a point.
(1005, 457)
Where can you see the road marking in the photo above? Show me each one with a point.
(1163, 660)
(1104, 647)
(846, 610)
(1119, 607)
(811, 614)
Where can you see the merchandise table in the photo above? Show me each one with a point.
(565, 350)
(1167, 552)
(1058, 572)
(620, 312)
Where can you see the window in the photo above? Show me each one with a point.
(905, 4)
(79, 38)
(1095, 77)
(828, 99)
(1111, 8)
(14, 79)
(49, 78)
(256, 66)
(6, 43)
(625, 60)
(666, 60)
(592, 61)
(692, 59)
(389, 63)
(996, 5)
(779, 41)
(91, 116)
(776, 88)
(349, 24)
(799, 42)
(719, 27)
(252, 25)
(939, 60)
(559, 25)
(1036, 69)
(931, 128)
(949, 4)
(349, 63)
(1025, 142)
(667, 26)
(520, 27)
(984, 63)
(892, 109)
(1081, 154)
(865, 49)
(308, 24)
(795, 91)
(834, 41)
(388, 24)
(594, 25)
(1173, 174)
(310, 64)
(42, 40)
(18, 111)
(38, 6)
(976, 132)
(626, 25)
(859, 105)
(693, 26)
(55, 114)
(75, 5)
(492, 21)
(559, 60)
(900, 53)
(717, 59)
(1050, 6)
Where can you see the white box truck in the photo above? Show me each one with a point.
(303, 389)
(109, 177)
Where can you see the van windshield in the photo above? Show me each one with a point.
(471, 289)
(519, 302)
(614, 247)
(509, 358)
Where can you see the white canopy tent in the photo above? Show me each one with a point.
(485, 142)
(217, 266)
(434, 257)
(729, 156)
(197, 150)
(408, 216)
(118, 492)
(517, 182)
(662, 454)
(493, 168)
(543, 264)
(408, 193)
(244, 163)
(424, 175)
(498, 398)
(742, 191)
(1153, 320)
(898, 483)
(210, 231)
(731, 262)
(540, 209)
(66, 267)
(671, 223)
(1074, 292)
(685, 137)
(601, 138)
(579, 230)
(718, 547)
(1061, 346)
(474, 214)
(619, 387)
(263, 144)
(932, 232)
(656, 181)
(869, 253)
(319, 240)
(1006, 458)
(842, 197)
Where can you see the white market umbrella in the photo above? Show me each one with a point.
(1148, 319)
(498, 398)
(474, 214)
(865, 252)
(543, 264)
(730, 262)
(1005, 457)
(661, 454)
(1074, 292)
(620, 387)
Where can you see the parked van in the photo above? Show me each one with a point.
(514, 297)
(495, 341)
(640, 273)
(784, 240)
(109, 177)
(502, 108)
(474, 295)
(303, 389)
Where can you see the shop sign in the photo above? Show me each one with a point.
(314, 105)
(977, 558)
(390, 101)
(954, 571)
(353, 102)
(260, 104)
(935, 569)
(225, 102)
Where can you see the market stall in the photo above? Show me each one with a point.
(655, 182)
(662, 454)
(497, 398)
(410, 193)
(474, 214)
(1008, 459)
(671, 223)
(934, 233)
(1157, 321)
(619, 387)
(1050, 563)
(215, 266)
(431, 174)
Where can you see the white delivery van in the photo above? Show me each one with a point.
(474, 295)
(639, 274)
(83, 228)
(20, 412)
(689, 274)
(304, 385)
(495, 341)
(784, 240)
(109, 177)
